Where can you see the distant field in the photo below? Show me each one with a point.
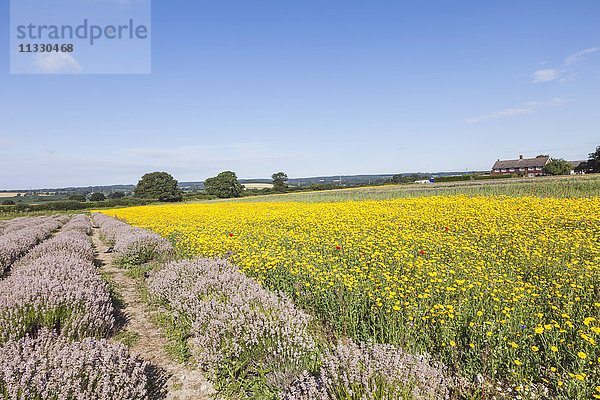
(10, 194)
(258, 185)
(562, 186)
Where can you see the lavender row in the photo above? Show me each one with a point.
(16, 242)
(373, 371)
(72, 238)
(236, 325)
(57, 285)
(16, 224)
(51, 307)
(52, 367)
(233, 321)
(131, 244)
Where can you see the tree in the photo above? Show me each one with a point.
(158, 186)
(97, 197)
(224, 185)
(77, 197)
(397, 178)
(116, 195)
(8, 203)
(591, 165)
(280, 182)
(557, 167)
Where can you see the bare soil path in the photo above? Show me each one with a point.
(173, 381)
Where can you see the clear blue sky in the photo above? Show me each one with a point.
(315, 88)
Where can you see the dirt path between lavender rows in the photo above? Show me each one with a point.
(173, 381)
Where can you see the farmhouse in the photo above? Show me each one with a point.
(527, 166)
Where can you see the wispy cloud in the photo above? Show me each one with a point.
(56, 63)
(576, 57)
(526, 107)
(545, 75)
(551, 74)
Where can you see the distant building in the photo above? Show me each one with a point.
(527, 166)
(575, 164)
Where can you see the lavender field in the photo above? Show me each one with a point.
(55, 315)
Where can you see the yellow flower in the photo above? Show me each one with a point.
(452, 343)
(478, 251)
(518, 362)
(581, 354)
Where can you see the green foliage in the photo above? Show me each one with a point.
(68, 205)
(23, 207)
(177, 331)
(324, 186)
(198, 196)
(592, 165)
(557, 167)
(116, 195)
(97, 197)
(280, 182)
(225, 185)
(124, 202)
(77, 197)
(158, 186)
(399, 178)
(455, 178)
(484, 177)
(8, 203)
(128, 338)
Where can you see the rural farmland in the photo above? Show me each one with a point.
(300, 200)
(501, 287)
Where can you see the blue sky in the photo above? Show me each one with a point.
(314, 88)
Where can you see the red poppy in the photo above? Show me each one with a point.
(337, 247)
(421, 251)
(231, 235)
(447, 229)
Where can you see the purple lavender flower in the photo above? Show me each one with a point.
(50, 366)
(131, 244)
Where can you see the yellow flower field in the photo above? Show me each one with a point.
(506, 287)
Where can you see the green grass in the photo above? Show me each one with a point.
(128, 338)
(15, 214)
(177, 333)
